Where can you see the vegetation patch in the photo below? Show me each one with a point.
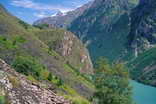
(11, 43)
(2, 100)
(112, 84)
(30, 67)
(77, 100)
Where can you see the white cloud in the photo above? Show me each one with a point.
(38, 6)
(40, 15)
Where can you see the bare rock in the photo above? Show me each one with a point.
(19, 90)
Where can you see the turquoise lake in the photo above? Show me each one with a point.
(143, 94)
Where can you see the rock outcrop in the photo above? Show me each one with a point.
(19, 90)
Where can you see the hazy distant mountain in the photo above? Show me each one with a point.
(63, 20)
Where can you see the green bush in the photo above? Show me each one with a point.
(6, 44)
(29, 66)
(32, 79)
(13, 43)
(18, 40)
(2, 99)
(112, 84)
(80, 100)
(24, 24)
(77, 100)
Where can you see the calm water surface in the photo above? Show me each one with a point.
(143, 94)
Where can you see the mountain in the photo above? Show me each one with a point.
(63, 20)
(52, 56)
(104, 27)
(122, 31)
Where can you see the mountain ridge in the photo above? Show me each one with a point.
(63, 21)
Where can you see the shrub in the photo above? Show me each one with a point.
(60, 82)
(11, 43)
(112, 84)
(30, 67)
(5, 43)
(27, 65)
(44, 74)
(31, 78)
(2, 99)
(18, 40)
(77, 100)
(25, 25)
(50, 77)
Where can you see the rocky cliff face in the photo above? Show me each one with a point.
(63, 20)
(142, 33)
(18, 90)
(142, 39)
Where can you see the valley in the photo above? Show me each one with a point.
(102, 52)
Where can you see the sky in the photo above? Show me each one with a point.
(32, 10)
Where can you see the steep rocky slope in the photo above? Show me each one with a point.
(71, 66)
(62, 20)
(17, 89)
(142, 33)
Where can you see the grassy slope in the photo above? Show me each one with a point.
(10, 27)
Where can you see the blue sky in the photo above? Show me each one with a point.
(31, 10)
